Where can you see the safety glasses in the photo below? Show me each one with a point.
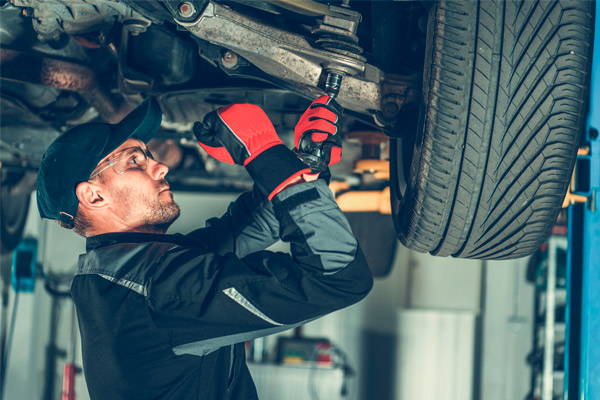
(132, 158)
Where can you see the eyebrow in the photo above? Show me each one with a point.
(117, 154)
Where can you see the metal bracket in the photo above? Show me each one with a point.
(572, 197)
(184, 11)
(290, 58)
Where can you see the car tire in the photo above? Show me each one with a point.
(505, 86)
(13, 216)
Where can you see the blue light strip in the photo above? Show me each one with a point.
(589, 375)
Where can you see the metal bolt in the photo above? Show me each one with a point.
(333, 83)
(390, 109)
(229, 56)
(230, 59)
(186, 9)
(135, 26)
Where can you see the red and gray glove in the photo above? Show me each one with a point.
(316, 135)
(243, 134)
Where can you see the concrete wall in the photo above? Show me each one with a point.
(507, 330)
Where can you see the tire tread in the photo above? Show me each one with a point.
(503, 114)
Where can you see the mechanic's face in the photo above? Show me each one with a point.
(139, 194)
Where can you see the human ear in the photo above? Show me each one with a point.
(90, 196)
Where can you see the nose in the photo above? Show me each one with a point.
(158, 170)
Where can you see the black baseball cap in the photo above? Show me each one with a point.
(72, 157)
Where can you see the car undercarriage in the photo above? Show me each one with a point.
(475, 148)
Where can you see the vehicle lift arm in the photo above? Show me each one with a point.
(582, 351)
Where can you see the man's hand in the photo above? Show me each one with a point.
(316, 138)
(236, 134)
(243, 134)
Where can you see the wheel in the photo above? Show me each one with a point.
(504, 103)
(13, 216)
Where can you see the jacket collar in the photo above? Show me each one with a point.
(109, 239)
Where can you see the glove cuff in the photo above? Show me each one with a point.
(274, 168)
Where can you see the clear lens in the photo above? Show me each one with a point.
(133, 158)
(128, 159)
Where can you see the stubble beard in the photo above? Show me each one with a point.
(159, 215)
(162, 216)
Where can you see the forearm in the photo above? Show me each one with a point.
(265, 292)
(319, 234)
(326, 271)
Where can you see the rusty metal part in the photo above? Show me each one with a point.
(229, 59)
(291, 58)
(343, 18)
(368, 94)
(310, 8)
(136, 25)
(341, 47)
(73, 17)
(337, 33)
(186, 9)
(365, 201)
(22, 67)
(264, 45)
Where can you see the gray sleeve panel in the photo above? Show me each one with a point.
(336, 246)
(325, 230)
(260, 234)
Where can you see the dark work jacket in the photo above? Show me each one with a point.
(166, 316)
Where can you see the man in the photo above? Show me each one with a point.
(165, 316)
